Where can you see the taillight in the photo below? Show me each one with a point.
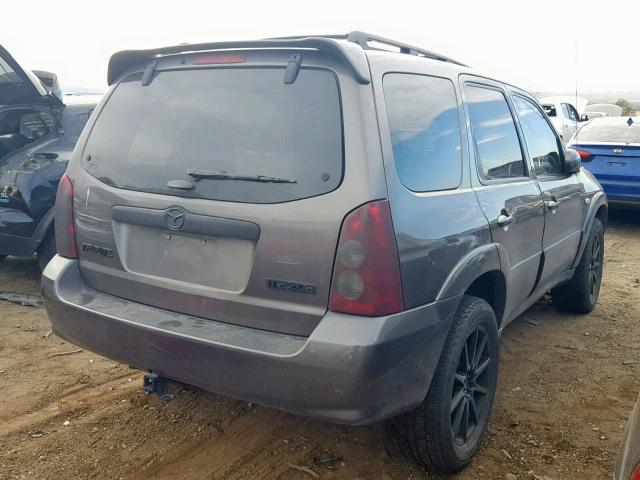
(65, 226)
(214, 59)
(636, 474)
(584, 155)
(366, 274)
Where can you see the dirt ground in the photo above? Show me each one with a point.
(567, 386)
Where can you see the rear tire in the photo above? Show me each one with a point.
(46, 250)
(580, 294)
(445, 431)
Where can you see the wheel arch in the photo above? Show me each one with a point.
(479, 273)
(598, 208)
(492, 287)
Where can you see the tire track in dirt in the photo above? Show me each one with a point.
(73, 399)
(244, 441)
(557, 385)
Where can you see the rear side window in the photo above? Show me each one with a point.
(238, 134)
(494, 133)
(425, 131)
(610, 131)
(540, 139)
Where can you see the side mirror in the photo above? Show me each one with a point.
(584, 117)
(572, 161)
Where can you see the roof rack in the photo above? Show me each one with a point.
(363, 38)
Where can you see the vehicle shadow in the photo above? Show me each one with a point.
(20, 275)
(621, 217)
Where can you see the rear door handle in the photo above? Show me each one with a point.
(504, 219)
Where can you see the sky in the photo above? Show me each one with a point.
(537, 45)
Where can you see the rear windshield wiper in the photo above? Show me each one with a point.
(211, 175)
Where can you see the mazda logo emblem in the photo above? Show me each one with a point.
(174, 218)
(617, 150)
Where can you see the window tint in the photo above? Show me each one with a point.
(610, 130)
(425, 131)
(539, 137)
(496, 139)
(224, 123)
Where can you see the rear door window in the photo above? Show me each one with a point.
(425, 131)
(494, 133)
(238, 134)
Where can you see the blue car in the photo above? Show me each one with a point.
(610, 149)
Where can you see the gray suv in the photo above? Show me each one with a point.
(321, 225)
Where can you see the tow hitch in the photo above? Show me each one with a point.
(155, 383)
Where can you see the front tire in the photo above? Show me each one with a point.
(580, 294)
(445, 431)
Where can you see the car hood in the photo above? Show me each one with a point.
(18, 86)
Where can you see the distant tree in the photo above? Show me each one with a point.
(626, 107)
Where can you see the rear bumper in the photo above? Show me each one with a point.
(621, 192)
(351, 369)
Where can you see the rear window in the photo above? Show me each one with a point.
(425, 131)
(244, 134)
(12, 88)
(610, 132)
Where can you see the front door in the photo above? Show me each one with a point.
(509, 197)
(562, 193)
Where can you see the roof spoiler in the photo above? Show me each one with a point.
(351, 54)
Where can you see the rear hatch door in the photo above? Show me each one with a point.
(17, 86)
(219, 190)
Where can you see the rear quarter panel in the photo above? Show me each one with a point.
(437, 232)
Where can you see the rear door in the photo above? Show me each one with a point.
(509, 197)
(562, 194)
(218, 190)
